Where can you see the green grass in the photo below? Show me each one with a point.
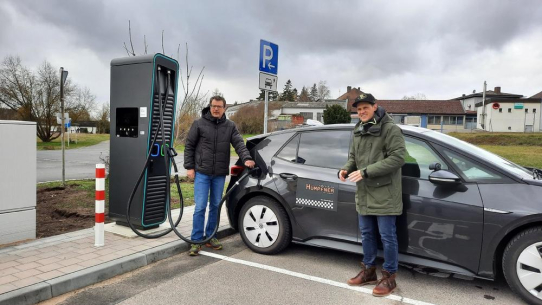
(504, 139)
(187, 189)
(179, 147)
(83, 140)
(530, 156)
(524, 149)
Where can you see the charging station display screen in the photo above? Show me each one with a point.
(127, 122)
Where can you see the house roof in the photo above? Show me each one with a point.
(538, 95)
(249, 103)
(489, 93)
(313, 104)
(505, 100)
(422, 106)
(236, 107)
(350, 95)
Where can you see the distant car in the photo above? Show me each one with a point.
(466, 211)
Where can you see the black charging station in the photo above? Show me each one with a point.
(138, 87)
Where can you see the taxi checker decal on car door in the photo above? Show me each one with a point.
(317, 194)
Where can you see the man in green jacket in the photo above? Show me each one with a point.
(374, 162)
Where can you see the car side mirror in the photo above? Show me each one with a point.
(444, 177)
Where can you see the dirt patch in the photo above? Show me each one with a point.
(62, 210)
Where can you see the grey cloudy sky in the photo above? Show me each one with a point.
(388, 48)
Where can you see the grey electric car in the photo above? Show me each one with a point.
(466, 211)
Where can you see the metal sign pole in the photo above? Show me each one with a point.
(484, 107)
(265, 112)
(62, 124)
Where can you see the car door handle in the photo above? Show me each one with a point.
(288, 176)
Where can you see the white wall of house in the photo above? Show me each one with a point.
(231, 112)
(510, 119)
(468, 104)
(314, 111)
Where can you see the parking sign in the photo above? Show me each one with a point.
(269, 57)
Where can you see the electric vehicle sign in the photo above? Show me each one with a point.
(317, 194)
(268, 82)
(269, 57)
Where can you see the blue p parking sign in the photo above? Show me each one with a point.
(269, 57)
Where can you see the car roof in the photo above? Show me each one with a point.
(407, 128)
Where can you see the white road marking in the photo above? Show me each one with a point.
(311, 278)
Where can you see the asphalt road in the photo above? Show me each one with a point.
(299, 275)
(80, 163)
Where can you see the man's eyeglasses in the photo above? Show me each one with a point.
(217, 107)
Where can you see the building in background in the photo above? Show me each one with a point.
(445, 115)
(310, 110)
(509, 114)
(538, 96)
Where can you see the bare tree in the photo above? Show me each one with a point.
(415, 97)
(80, 105)
(35, 97)
(323, 90)
(102, 119)
(190, 101)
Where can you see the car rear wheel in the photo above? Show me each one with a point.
(522, 265)
(264, 225)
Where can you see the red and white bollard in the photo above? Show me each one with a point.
(99, 239)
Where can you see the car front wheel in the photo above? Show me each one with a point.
(264, 225)
(522, 265)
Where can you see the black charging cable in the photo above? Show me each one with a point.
(155, 137)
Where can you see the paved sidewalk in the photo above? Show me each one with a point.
(41, 269)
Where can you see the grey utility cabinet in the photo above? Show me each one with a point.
(17, 181)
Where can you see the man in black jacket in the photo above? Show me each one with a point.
(207, 159)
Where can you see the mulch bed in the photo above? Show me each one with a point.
(60, 210)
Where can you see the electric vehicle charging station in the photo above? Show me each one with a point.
(143, 103)
(138, 87)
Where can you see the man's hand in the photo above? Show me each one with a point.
(342, 175)
(249, 163)
(191, 174)
(355, 176)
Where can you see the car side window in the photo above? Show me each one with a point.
(289, 152)
(418, 158)
(469, 169)
(328, 148)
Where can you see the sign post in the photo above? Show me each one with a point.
(63, 76)
(268, 66)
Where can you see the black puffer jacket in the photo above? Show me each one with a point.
(207, 148)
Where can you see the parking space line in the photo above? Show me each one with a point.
(311, 278)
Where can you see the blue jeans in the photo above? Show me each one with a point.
(202, 185)
(385, 225)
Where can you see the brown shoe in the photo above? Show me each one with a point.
(366, 276)
(385, 285)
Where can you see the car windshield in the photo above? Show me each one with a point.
(484, 154)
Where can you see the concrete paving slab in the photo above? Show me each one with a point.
(48, 267)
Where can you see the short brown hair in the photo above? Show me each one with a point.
(217, 98)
